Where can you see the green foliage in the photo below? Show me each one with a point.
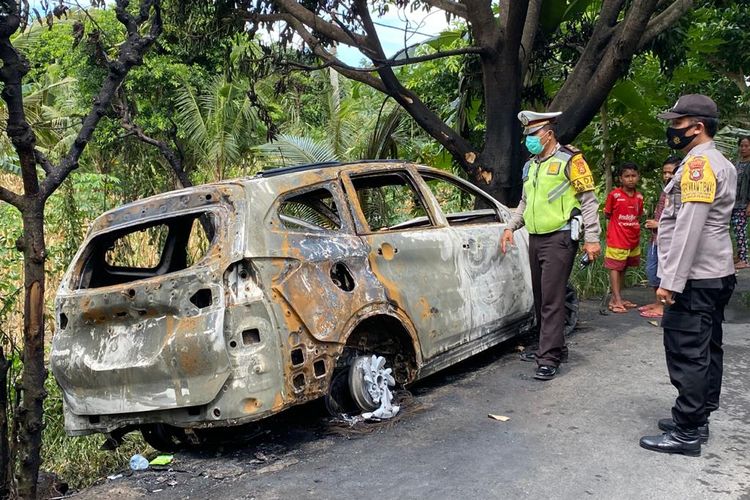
(79, 460)
(289, 150)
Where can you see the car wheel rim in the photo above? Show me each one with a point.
(369, 382)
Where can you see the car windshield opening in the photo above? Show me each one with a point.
(147, 250)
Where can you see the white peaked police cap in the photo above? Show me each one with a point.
(533, 121)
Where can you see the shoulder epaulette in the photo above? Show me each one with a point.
(564, 155)
(571, 149)
(526, 169)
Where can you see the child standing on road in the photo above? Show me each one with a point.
(656, 309)
(623, 210)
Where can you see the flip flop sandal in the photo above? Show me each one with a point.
(646, 307)
(651, 314)
(617, 309)
(628, 304)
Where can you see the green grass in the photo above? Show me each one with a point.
(78, 460)
(593, 280)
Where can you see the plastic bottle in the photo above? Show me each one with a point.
(138, 462)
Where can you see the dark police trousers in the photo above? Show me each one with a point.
(551, 260)
(692, 341)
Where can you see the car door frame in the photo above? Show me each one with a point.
(489, 319)
(433, 318)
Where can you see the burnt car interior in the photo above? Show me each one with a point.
(147, 250)
(390, 201)
(310, 211)
(459, 204)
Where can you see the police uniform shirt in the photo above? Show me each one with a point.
(693, 235)
(582, 183)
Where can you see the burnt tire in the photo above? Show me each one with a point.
(571, 309)
(165, 437)
(338, 399)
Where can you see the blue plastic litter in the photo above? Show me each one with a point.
(138, 462)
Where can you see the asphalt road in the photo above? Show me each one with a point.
(570, 438)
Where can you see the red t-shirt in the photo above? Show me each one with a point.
(624, 213)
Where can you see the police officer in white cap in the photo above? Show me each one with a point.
(697, 273)
(558, 192)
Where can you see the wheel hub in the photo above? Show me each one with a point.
(369, 383)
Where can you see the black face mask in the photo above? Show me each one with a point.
(676, 138)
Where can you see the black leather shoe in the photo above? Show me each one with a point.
(531, 356)
(668, 425)
(527, 356)
(688, 444)
(545, 372)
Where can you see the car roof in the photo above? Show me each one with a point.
(277, 181)
(323, 165)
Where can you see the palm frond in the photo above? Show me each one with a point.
(190, 116)
(382, 141)
(289, 150)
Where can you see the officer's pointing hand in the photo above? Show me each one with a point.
(593, 249)
(506, 239)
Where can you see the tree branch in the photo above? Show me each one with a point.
(449, 6)
(330, 59)
(166, 151)
(530, 29)
(316, 23)
(482, 23)
(665, 20)
(130, 54)
(395, 62)
(9, 196)
(43, 161)
(459, 147)
(391, 62)
(14, 68)
(513, 23)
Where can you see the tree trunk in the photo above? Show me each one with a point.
(5, 475)
(502, 149)
(607, 149)
(28, 416)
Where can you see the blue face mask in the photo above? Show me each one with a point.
(534, 144)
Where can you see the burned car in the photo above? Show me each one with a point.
(225, 303)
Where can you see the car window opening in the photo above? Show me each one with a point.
(390, 201)
(144, 251)
(459, 204)
(311, 211)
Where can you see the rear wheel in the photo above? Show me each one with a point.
(363, 385)
(369, 382)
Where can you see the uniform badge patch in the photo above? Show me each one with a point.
(698, 182)
(696, 169)
(554, 168)
(580, 175)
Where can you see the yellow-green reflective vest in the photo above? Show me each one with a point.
(550, 197)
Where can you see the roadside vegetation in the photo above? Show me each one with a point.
(212, 100)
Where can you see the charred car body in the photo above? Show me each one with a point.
(225, 303)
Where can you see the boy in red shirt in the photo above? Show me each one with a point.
(623, 210)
